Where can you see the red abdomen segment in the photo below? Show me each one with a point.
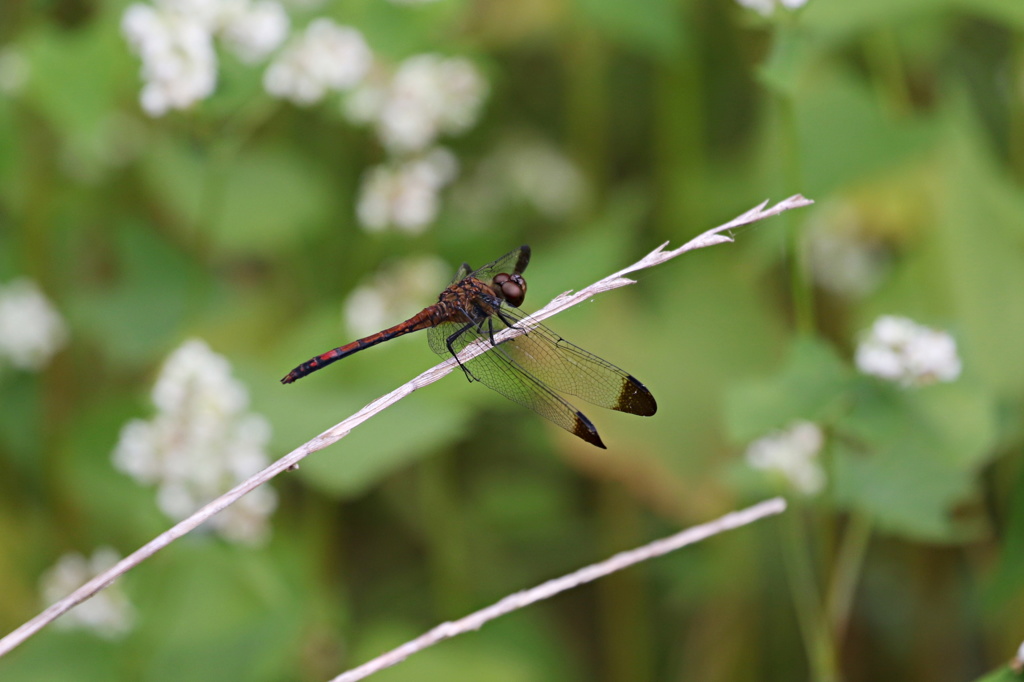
(427, 317)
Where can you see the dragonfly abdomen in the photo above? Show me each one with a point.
(421, 320)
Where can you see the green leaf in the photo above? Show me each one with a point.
(77, 78)
(811, 381)
(141, 313)
(224, 613)
(1002, 674)
(1005, 583)
(902, 486)
(651, 27)
(976, 247)
(839, 22)
(254, 203)
(791, 57)
(871, 140)
(410, 429)
(907, 457)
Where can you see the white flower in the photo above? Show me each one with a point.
(405, 195)
(108, 613)
(325, 57)
(179, 65)
(252, 31)
(200, 443)
(428, 95)
(843, 259)
(394, 294)
(793, 454)
(175, 40)
(898, 349)
(525, 170)
(766, 7)
(14, 70)
(31, 329)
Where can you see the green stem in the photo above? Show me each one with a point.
(678, 145)
(446, 533)
(799, 279)
(803, 587)
(624, 614)
(882, 52)
(847, 573)
(587, 110)
(225, 145)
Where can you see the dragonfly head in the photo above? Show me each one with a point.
(512, 288)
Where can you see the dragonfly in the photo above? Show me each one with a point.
(532, 369)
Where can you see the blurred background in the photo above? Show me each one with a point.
(198, 195)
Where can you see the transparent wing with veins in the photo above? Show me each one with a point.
(526, 368)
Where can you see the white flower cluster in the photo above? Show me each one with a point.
(900, 350)
(200, 443)
(793, 454)
(108, 614)
(395, 293)
(525, 170)
(405, 194)
(31, 329)
(175, 40)
(766, 7)
(325, 57)
(426, 96)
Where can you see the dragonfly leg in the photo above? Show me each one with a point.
(509, 322)
(450, 342)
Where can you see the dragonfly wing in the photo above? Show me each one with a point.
(497, 370)
(514, 261)
(568, 368)
(462, 273)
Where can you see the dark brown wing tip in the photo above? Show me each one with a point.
(636, 399)
(585, 430)
(524, 258)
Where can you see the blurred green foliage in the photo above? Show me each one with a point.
(235, 222)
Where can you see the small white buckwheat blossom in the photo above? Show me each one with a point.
(175, 40)
(253, 30)
(109, 614)
(200, 443)
(405, 194)
(397, 292)
(427, 96)
(793, 454)
(325, 57)
(179, 64)
(900, 350)
(766, 7)
(31, 329)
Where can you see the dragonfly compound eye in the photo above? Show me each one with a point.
(513, 289)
